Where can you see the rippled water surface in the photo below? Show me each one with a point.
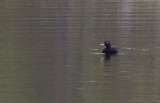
(50, 52)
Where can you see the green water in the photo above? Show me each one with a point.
(50, 52)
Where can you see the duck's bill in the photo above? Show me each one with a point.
(102, 44)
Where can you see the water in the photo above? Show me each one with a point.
(50, 51)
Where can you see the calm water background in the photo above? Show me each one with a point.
(50, 52)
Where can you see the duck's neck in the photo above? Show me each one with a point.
(108, 47)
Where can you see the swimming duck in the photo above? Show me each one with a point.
(109, 49)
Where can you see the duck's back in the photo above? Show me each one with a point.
(111, 50)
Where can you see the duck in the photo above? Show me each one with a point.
(109, 49)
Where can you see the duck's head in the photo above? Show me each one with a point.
(107, 44)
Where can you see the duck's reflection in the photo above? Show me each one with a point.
(107, 57)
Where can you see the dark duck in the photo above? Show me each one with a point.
(109, 49)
